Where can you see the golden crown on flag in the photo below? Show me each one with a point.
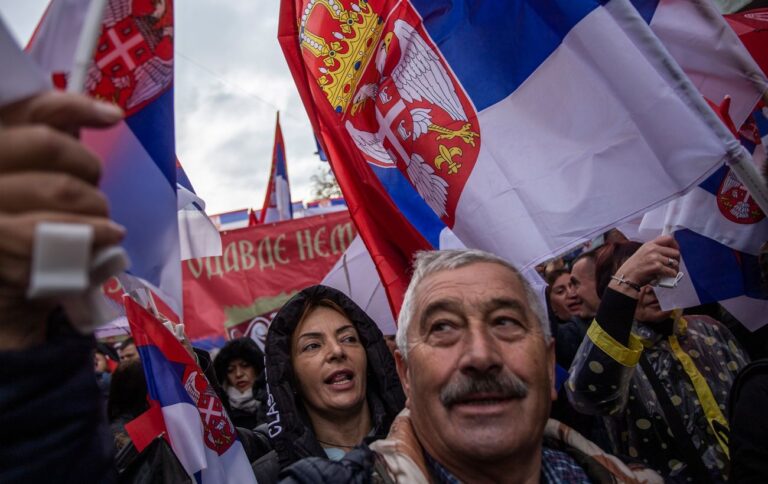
(348, 37)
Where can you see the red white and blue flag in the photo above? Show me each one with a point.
(720, 230)
(197, 426)
(708, 49)
(198, 236)
(523, 128)
(277, 203)
(132, 67)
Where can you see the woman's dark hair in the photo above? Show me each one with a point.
(127, 391)
(554, 275)
(608, 259)
(244, 348)
(310, 305)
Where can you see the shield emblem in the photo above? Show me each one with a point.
(133, 61)
(735, 202)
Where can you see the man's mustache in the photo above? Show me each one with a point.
(504, 385)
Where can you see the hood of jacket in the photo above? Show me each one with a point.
(289, 426)
(244, 348)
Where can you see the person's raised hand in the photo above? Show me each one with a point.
(654, 260)
(46, 175)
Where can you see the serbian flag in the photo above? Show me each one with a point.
(199, 430)
(720, 230)
(708, 49)
(132, 67)
(198, 236)
(277, 203)
(523, 128)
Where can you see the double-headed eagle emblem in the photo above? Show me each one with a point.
(397, 100)
(418, 76)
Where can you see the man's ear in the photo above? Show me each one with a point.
(552, 362)
(402, 372)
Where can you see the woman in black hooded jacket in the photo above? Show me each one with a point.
(313, 375)
(239, 368)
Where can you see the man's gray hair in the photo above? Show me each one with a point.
(429, 262)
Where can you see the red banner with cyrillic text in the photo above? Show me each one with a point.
(260, 268)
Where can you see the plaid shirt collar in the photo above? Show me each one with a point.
(556, 467)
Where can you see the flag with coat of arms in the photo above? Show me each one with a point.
(522, 128)
(720, 231)
(133, 68)
(197, 426)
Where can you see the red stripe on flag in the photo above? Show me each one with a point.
(387, 235)
(146, 427)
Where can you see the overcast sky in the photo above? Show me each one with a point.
(231, 78)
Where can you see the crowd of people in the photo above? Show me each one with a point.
(467, 391)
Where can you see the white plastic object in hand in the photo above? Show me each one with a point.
(90, 310)
(63, 269)
(60, 260)
(106, 263)
(669, 282)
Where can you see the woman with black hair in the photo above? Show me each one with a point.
(331, 380)
(239, 367)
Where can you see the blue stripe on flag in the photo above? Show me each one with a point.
(410, 204)
(718, 272)
(230, 217)
(761, 121)
(165, 377)
(154, 128)
(750, 146)
(712, 184)
(320, 153)
(280, 168)
(646, 8)
(491, 66)
(208, 344)
(183, 180)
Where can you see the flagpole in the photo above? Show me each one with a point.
(86, 44)
(737, 157)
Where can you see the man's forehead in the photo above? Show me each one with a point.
(472, 283)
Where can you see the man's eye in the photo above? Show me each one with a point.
(441, 326)
(505, 321)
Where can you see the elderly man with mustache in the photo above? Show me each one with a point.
(477, 363)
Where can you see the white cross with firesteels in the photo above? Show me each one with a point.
(209, 412)
(121, 50)
(385, 129)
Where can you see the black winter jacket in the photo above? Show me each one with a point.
(51, 412)
(749, 428)
(289, 426)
